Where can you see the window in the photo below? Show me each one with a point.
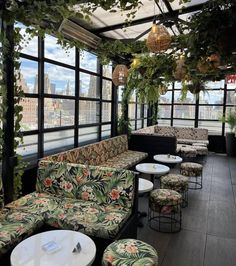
(89, 86)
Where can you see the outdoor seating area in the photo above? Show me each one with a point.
(118, 133)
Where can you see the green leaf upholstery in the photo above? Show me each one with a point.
(164, 201)
(98, 184)
(88, 217)
(15, 225)
(191, 169)
(130, 252)
(175, 182)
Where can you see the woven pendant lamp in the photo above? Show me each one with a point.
(119, 75)
(163, 89)
(158, 39)
(180, 70)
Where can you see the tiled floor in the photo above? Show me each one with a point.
(208, 236)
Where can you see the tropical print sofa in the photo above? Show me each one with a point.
(112, 152)
(97, 201)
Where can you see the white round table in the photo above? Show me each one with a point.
(144, 185)
(29, 252)
(167, 158)
(152, 169)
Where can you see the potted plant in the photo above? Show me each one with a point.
(230, 138)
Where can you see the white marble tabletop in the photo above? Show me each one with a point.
(152, 168)
(167, 158)
(29, 252)
(144, 185)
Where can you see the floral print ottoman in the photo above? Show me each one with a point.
(194, 172)
(129, 252)
(165, 213)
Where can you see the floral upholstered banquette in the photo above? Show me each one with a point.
(94, 200)
(112, 152)
(129, 252)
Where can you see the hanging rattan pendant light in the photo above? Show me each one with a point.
(158, 39)
(120, 75)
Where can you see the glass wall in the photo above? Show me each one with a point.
(203, 111)
(68, 98)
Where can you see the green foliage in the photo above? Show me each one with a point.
(230, 119)
(151, 73)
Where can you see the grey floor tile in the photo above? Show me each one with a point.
(222, 192)
(220, 251)
(222, 219)
(184, 249)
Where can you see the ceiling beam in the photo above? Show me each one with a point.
(149, 19)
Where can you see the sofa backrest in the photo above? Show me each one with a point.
(91, 183)
(183, 132)
(1, 194)
(146, 130)
(92, 154)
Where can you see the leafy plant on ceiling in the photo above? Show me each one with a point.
(149, 75)
(212, 32)
(40, 17)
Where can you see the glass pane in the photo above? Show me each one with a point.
(215, 84)
(164, 111)
(145, 123)
(88, 135)
(106, 89)
(120, 91)
(30, 114)
(107, 71)
(88, 112)
(119, 110)
(106, 131)
(89, 86)
(29, 47)
(132, 123)
(231, 97)
(189, 99)
(59, 140)
(145, 110)
(59, 80)
(211, 97)
(139, 124)
(88, 61)
(210, 112)
(167, 98)
(133, 97)
(183, 123)
(214, 127)
(58, 112)
(163, 122)
(55, 52)
(106, 112)
(132, 110)
(139, 109)
(29, 147)
(29, 76)
(184, 111)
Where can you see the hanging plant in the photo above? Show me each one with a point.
(149, 76)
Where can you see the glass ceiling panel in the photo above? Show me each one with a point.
(128, 33)
(102, 18)
(175, 4)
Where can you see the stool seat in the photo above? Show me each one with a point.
(175, 182)
(164, 200)
(129, 252)
(191, 169)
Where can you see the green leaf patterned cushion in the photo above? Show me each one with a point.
(164, 200)
(88, 217)
(129, 252)
(36, 203)
(175, 182)
(191, 169)
(15, 226)
(98, 184)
